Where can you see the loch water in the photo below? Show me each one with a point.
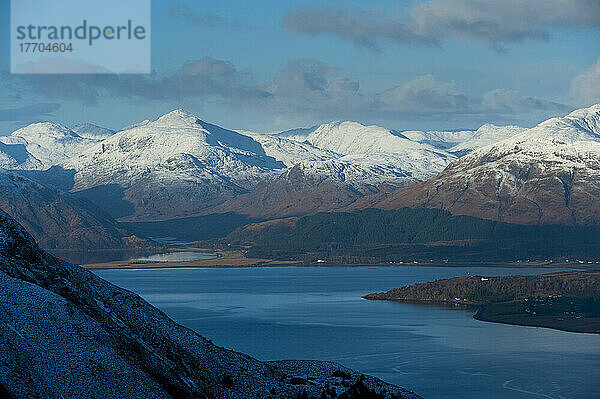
(276, 313)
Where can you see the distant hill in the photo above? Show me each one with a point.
(59, 220)
(40, 145)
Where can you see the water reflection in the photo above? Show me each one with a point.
(138, 255)
(182, 256)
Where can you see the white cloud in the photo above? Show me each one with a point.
(585, 88)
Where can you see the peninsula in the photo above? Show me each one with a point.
(568, 301)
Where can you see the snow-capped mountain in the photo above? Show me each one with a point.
(172, 166)
(354, 169)
(543, 175)
(349, 137)
(91, 131)
(366, 146)
(290, 152)
(332, 165)
(179, 165)
(486, 135)
(40, 145)
(439, 139)
(387, 154)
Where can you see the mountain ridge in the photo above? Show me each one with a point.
(547, 174)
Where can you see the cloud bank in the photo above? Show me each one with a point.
(28, 113)
(492, 22)
(305, 88)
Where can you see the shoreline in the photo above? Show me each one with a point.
(224, 259)
(234, 259)
(480, 314)
(252, 262)
(565, 301)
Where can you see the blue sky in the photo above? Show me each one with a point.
(273, 65)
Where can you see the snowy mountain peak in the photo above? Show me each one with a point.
(571, 141)
(177, 117)
(549, 174)
(575, 132)
(591, 111)
(44, 131)
(174, 165)
(349, 137)
(585, 120)
(40, 145)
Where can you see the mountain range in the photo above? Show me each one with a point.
(179, 166)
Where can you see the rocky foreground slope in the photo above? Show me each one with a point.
(66, 333)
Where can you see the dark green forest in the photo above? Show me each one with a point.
(405, 235)
(481, 290)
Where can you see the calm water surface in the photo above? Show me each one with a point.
(318, 313)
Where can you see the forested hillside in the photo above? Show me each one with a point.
(415, 235)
